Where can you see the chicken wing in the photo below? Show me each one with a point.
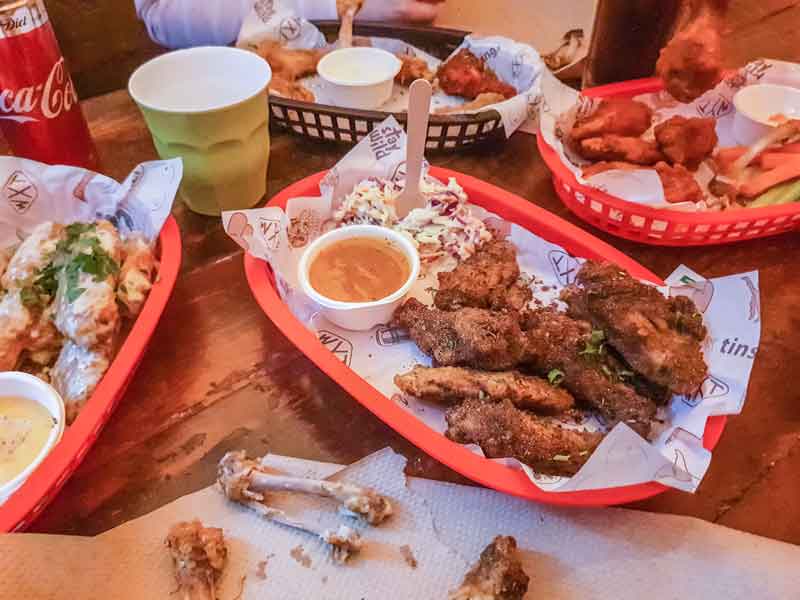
(413, 68)
(618, 116)
(691, 63)
(33, 254)
(487, 279)
(450, 385)
(466, 75)
(470, 337)
(76, 373)
(659, 337)
(286, 63)
(620, 148)
(498, 574)
(199, 555)
(502, 430)
(685, 141)
(15, 323)
(136, 275)
(678, 183)
(5, 258)
(558, 341)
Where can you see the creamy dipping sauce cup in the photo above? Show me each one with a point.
(23, 385)
(359, 316)
(360, 77)
(757, 105)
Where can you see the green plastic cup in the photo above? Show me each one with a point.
(208, 106)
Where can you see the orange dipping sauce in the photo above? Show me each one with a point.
(359, 270)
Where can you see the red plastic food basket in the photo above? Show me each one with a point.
(659, 226)
(44, 483)
(489, 473)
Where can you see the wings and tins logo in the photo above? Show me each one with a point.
(340, 347)
(20, 192)
(712, 387)
(565, 266)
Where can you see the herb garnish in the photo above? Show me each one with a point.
(595, 345)
(555, 377)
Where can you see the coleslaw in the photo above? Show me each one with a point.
(444, 227)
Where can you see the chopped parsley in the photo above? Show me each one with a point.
(595, 345)
(555, 377)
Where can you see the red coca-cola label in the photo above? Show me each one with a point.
(39, 112)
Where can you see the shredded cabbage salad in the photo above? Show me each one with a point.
(443, 227)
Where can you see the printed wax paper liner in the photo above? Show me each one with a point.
(675, 457)
(561, 105)
(568, 553)
(34, 192)
(515, 63)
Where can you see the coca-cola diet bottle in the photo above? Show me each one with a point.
(39, 112)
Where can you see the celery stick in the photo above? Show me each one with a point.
(790, 194)
(772, 195)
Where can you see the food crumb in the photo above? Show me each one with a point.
(300, 556)
(408, 556)
(261, 572)
(324, 579)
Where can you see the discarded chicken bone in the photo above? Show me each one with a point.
(198, 554)
(498, 574)
(248, 476)
(236, 474)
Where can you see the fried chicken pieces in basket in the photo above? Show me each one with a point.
(511, 375)
(468, 76)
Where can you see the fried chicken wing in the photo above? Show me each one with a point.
(498, 574)
(487, 279)
(15, 323)
(502, 430)
(618, 116)
(659, 337)
(678, 183)
(412, 68)
(290, 89)
(466, 75)
(691, 63)
(620, 148)
(76, 373)
(5, 258)
(32, 255)
(199, 555)
(289, 64)
(558, 341)
(685, 141)
(136, 275)
(470, 337)
(450, 385)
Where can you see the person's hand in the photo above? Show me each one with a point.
(403, 11)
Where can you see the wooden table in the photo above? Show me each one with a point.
(219, 375)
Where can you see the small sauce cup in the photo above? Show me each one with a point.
(361, 77)
(27, 386)
(757, 105)
(359, 316)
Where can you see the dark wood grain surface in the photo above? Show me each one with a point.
(219, 375)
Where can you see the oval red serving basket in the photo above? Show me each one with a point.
(658, 226)
(42, 486)
(491, 474)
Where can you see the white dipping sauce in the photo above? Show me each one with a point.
(25, 427)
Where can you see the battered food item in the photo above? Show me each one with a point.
(137, 274)
(557, 341)
(33, 254)
(290, 89)
(618, 116)
(685, 141)
(469, 337)
(288, 64)
(450, 385)
(659, 337)
(466, 75)
(15, 323)
(412, 68)
(199, 555)
(502, 430)
(678, 184)
(76, 374)
(691, 63)
(487, 279)
(498, 574)
(620, 148)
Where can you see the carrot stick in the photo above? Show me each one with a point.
(789, 169)
(771, 160)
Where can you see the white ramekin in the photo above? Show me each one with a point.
(358, 316)
(374, 87)
(756, 104)
(27, 386)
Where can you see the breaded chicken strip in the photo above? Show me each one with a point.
(502, 430)
(450, 385)
(469, 337)
(487, 279)
(659, 337)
